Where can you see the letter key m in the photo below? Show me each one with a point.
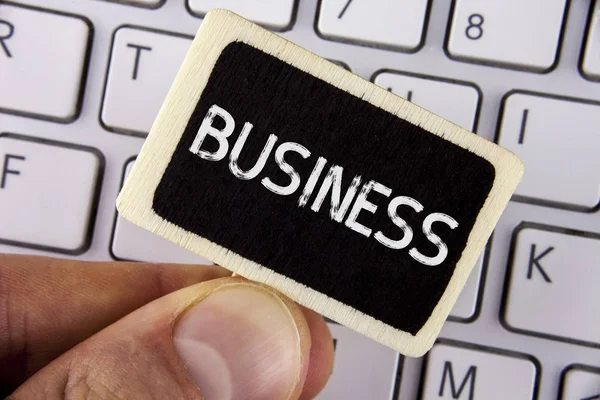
(469, 377)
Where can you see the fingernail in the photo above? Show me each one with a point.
(241, 342)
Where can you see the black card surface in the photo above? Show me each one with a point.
(404, 200)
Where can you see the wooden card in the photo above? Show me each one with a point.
(292, 171)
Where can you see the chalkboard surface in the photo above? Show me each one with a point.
(310, 246)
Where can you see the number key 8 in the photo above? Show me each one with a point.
(508, 33)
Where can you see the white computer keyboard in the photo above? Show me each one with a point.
(81, 82)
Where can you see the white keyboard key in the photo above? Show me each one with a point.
(143, 65)
(363, 369)
(275, 14)
(591, 59)
(130, 242)
(141, 3)
(553, 284)
(465, 308)
(455, 101)
(48, 193)
(558, 141)
(514, 33)
(384, 23)
(462, 371)
(580, 382)
(43, 60)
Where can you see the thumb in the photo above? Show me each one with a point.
(219, 340)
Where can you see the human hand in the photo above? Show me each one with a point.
(70, 329)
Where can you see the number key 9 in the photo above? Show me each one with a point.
(522, 34)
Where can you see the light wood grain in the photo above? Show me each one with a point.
(222, 27)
